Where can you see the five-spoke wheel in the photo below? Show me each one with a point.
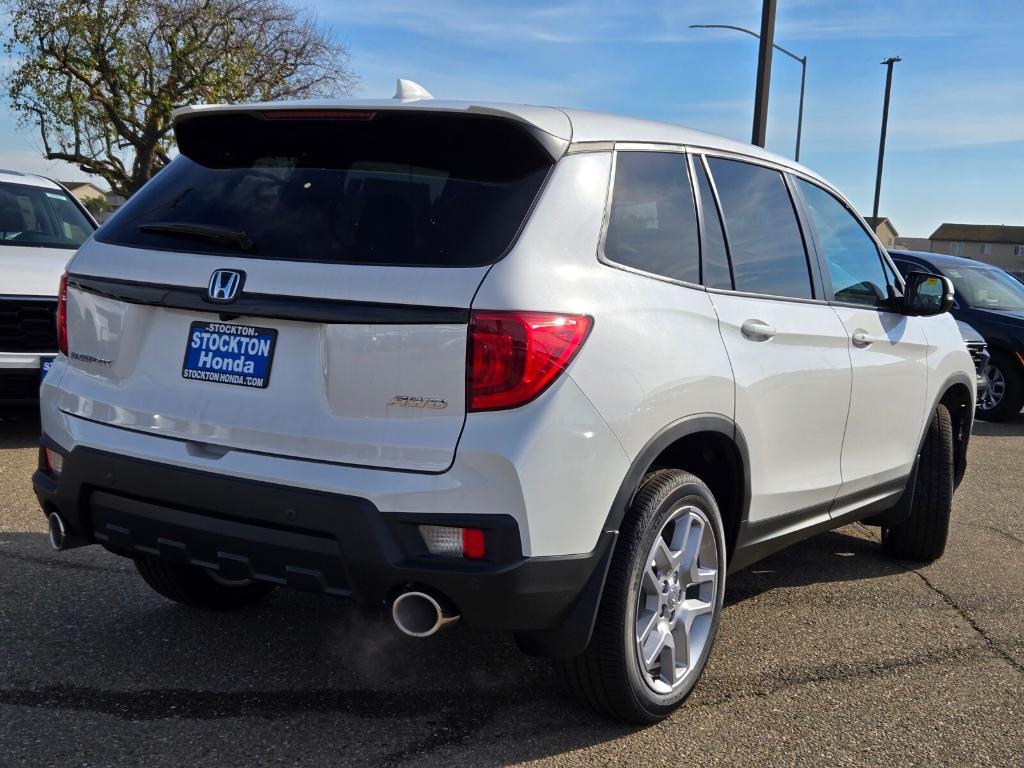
(676, 599)
(661, 603)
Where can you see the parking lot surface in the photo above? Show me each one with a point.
(828, 654)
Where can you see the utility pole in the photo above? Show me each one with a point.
(764, 73)
(803, 73)
(885, 126)
(800, 118)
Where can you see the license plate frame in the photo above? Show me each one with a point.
(233, 345)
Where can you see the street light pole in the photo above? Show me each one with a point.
(764, 73)
(885, 126)
(803, 73)
(800, 118)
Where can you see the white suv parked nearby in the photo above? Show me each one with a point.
(41, 225)
(550, 371)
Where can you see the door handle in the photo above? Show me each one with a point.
(863, 339)
(757, 330)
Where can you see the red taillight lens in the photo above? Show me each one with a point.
(62, 314)
(514, 356)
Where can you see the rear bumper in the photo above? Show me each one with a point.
(321, 542)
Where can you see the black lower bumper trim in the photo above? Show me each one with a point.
(315, 541)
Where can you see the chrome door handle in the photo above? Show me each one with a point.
(862, 339)
(756, 330)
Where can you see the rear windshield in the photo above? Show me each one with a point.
(42, 217)
(367, 188)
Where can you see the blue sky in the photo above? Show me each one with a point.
(956, 131)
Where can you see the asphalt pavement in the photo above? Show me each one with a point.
(828, 654)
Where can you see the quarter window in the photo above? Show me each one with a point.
(653, 223)
(854, 264)
(765, 243)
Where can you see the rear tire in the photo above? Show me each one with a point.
(922, 536)
(662, 600)
(1006, 387)
(198, 587)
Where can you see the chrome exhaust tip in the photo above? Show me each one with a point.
(58, 533)
(61, 537)
(418, 614)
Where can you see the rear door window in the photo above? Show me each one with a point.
(765, 243)
(356, 188)
(854, 263)
(652, 225)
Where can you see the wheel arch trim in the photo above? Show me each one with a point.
(666, 436)
(574, 635)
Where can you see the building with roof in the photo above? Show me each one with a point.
(84, 190)
(996, 244)
(884, 230)
(101, 204)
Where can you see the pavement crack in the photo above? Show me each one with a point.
(994, 529)
(946, 598)
(877, 670)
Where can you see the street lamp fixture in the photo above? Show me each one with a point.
(885, 128)
(803, 74)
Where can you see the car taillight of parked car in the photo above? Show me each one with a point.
(62, 314)
(514, 356)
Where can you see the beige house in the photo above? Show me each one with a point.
(993, 243)
(84, 190)
(884, 230)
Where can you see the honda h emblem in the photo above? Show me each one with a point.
(225, 285)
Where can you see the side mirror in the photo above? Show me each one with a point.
(927, 294)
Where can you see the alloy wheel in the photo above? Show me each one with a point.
(676, 600)
(996, 389)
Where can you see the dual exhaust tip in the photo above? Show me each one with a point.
(418, 614)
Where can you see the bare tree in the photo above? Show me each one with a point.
(99, 79)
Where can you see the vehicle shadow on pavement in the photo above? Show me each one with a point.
(1012, 428)
(848, 554)
(128, 654)
(19, 426)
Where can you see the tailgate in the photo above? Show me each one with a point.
(300, 287)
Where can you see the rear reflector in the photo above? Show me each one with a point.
(54, 461)
(514, 356)
(454, 542)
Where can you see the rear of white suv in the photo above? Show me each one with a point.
(552, 373)
(272, 354)
(41, 225)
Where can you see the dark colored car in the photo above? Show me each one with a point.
(978, 348)
(991, 301)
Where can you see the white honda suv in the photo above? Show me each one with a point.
(550, 371)
(41, 225)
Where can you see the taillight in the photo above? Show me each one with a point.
(62, 314)
(514, 356)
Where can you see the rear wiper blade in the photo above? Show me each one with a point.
(220, 235)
